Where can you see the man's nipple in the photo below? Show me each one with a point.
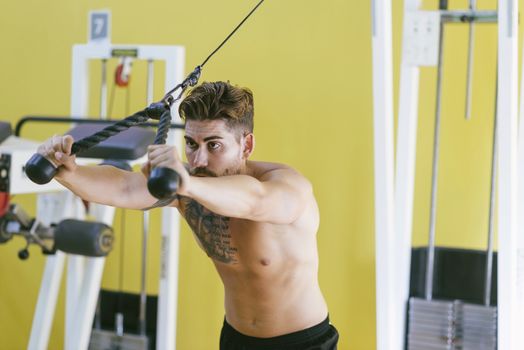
(265, 262)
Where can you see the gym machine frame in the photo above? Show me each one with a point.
(394, 183)
(84, 274)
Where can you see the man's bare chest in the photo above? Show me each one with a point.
(212, 231)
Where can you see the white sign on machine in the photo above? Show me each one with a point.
(99, 30)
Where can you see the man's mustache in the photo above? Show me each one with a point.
(202, 172)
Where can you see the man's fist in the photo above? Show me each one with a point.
(57, 150)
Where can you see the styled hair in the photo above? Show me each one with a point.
(220, 100)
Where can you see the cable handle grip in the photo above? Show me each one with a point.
(41, 170)
(163, 182)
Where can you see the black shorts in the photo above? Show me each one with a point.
(323, 336)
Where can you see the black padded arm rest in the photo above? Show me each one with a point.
(5, 131)
(128, 145)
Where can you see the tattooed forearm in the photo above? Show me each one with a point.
(212, 231)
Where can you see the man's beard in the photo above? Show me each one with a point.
(206, 172)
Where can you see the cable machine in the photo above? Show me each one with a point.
(394, 181)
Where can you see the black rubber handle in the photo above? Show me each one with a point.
(163, 183)
(39, 169)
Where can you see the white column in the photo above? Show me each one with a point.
(46, 304)
(510, 308)
(520, 205)
(84, 310)
(389, 324)
(84, 307)
(79, 82)
(405, 173)
(168, 288)
(51, 208)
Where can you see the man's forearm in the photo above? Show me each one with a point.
(100, 184)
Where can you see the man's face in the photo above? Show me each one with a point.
(212, 149)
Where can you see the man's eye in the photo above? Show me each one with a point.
(191, 144)
(213, 145)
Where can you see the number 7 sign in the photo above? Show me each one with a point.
(99, 26)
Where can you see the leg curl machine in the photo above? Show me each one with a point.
(69, 236)
(84, 273)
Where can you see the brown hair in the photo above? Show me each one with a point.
(220, 100)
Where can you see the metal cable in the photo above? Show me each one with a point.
(231, 34)
(160, 110)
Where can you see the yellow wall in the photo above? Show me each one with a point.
(309, 65)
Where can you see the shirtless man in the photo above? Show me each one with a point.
(257, 221)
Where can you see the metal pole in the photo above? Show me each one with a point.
(469, 73)
(150, 81)
(103, 115)
(103, 90)
(433, 211)
(143, 294)
(489, 256)
(461, 16)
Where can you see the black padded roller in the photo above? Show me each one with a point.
(83, 238)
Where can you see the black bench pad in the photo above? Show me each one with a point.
(127, 145)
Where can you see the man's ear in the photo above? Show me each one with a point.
(248, 145)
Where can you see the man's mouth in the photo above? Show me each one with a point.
(200, 172)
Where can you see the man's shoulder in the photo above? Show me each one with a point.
(277, 172)
(262, 170)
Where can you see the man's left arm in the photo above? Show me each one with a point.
(278, 197)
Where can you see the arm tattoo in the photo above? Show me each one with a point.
(212, 231)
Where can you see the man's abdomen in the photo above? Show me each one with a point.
(279, 302)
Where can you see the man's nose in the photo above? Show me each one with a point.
(200, 159)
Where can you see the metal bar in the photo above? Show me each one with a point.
(471, 41)
(150, 81)
(103, 115)
(143, 294)
(145, 231)
(24, 120)
(433, 212)
(468, 16)
(103, 90)
(489, 256)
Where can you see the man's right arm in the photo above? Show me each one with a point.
(102, 184)
(108, 185)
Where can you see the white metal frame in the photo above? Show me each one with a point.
(510, 288)
(84, 274)
(394, 205)
(384, 162)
